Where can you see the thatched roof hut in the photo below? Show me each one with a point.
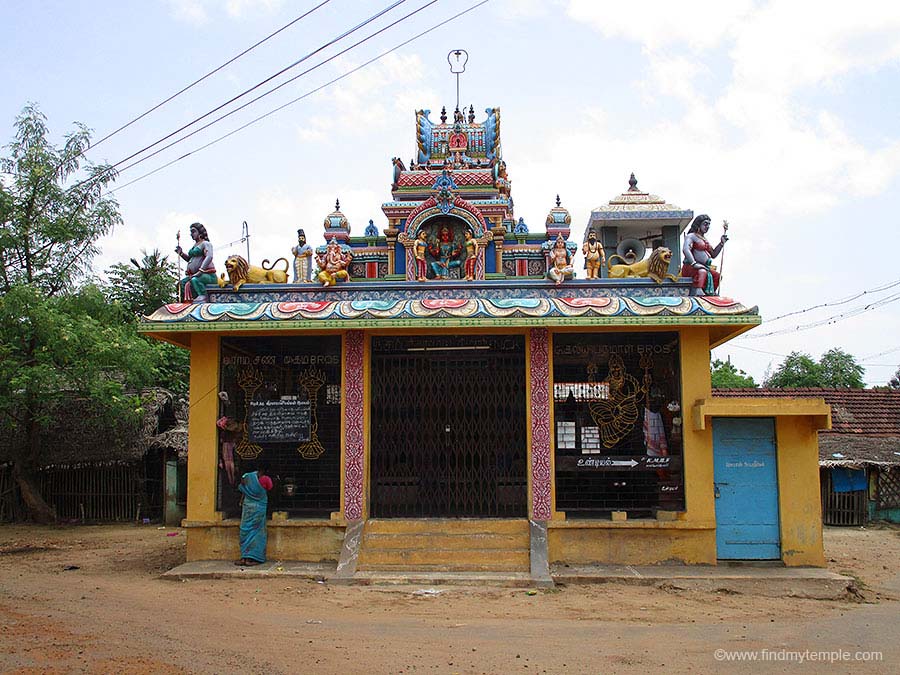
(80, 434)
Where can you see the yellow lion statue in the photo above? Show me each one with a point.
(241, 272)
(656, 267)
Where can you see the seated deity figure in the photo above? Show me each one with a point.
(333, 264)
(200, 270)
(698, 255)
(445, 253)
(559, 262)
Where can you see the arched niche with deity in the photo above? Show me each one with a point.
(449, 233)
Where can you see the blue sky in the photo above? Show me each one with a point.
(781, 117)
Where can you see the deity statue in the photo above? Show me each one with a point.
(559, 262)
(445, 252)
(200, 269)
(616, 415)
(333, 264)
(594, 255)
(302, 259)
(457, 140)
(471, 255)
(698, 255)
(421, 246)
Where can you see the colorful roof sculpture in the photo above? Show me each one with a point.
(453, 205)
(634, 212)
(455, 311)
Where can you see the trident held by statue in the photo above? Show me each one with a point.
(178, 283)
(724, 239)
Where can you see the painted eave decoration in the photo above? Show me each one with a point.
(426, 312)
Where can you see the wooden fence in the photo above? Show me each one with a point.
(843, 508)
(109, 492)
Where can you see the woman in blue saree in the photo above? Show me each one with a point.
(254, 487)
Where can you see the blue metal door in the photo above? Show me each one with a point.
(746, 489)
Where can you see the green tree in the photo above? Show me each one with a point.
(840, 370)
(726, 376)
(143, 286)
(894, 382)
(835, 370)
(797, 370)
(139, 289)
(57, 339)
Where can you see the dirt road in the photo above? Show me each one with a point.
(87, 599)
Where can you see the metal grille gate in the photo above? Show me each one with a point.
(448, 426)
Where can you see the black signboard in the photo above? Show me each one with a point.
(279, 421)
(617, 463)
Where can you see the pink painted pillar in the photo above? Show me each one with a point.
(354, 412)
(539, 378)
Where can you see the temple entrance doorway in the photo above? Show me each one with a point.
(448, 427)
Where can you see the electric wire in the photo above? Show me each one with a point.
(835, 303)
(887, 351)
(831, 319)
(272, 90)
(256, 86)
(204, 77)
(110, 170)
(296, 100)
(178, 93)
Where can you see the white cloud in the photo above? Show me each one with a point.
(359, 101)
(657, 24)
(237, 8)
(189, 11)
(197, 12)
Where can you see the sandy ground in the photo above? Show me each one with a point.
(88, 599)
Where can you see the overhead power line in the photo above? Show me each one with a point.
(256, 86)
(887, 351)
(298, 99)
(110, 170)
(273, 89)
(831, 319)
(209, 74)
(835, 303)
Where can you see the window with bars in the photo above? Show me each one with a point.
(617, 413)
(279, 404)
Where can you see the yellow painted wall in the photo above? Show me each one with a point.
(291, 540)
(204, 406)
(691, 538)
(799, 499)
(698, 460)
(630, 543)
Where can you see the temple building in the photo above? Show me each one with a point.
(451, 394)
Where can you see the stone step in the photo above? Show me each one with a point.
(444, 560)
(446, 525)
(439, 540)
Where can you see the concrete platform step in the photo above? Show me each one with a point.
(446, 525)
(447, 541)
(459, 560)
(449, 544)
(443, 578)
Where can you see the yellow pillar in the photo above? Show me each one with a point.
(698, 458)
(799, 500)
(204, 407)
